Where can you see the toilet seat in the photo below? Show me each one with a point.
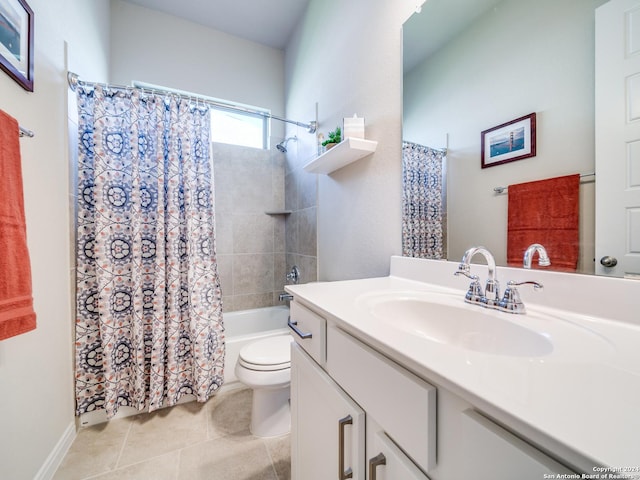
(269, 354)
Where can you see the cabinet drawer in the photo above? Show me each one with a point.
(490, 452)
(401, 403)
(309, 331)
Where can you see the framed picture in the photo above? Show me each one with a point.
(509, 142)
(16, 41)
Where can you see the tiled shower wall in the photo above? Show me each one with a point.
(301, 193)
(250, 244)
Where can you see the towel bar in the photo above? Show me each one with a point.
(500, 190)
(25, 132)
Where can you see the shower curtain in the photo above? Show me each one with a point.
(423, 208)
(149, 320)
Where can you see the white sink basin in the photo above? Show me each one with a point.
(446, 319)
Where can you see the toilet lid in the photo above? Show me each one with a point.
(273, 353)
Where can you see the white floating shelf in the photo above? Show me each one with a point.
(344, 153)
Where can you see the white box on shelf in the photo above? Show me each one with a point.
(353, 127)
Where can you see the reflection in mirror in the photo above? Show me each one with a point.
(471, 65)
(424, 219)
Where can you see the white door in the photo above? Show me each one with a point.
(328, 428)
(617, 115)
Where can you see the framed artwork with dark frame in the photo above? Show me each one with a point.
(509, 142)
(16, 41)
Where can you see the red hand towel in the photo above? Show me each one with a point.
(545, 212)
(16, 302)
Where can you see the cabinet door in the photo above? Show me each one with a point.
(492, 453)
(328, 428)
(385, 461)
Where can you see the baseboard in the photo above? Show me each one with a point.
(53, 461)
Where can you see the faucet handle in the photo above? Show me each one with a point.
(294, 275)
(511, 301)
(464, 270)
(474, 294)
(536, 285)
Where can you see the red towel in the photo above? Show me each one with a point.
(545, 212)
(16, 301)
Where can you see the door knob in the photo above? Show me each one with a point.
(608, 261)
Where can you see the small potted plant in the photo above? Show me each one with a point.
(333, 138)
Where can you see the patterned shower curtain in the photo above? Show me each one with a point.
(423, 201)
(149, 320)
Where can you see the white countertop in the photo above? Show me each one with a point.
(584, 394)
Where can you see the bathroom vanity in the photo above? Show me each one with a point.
(398, 378)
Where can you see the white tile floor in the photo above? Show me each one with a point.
(192, 441)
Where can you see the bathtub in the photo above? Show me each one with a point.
(246, 326)
(241, 328)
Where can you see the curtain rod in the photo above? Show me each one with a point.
(499, 190)
(25, 132)
(74, 81)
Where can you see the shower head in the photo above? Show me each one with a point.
(282, 146)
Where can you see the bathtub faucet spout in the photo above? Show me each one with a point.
(285, 297)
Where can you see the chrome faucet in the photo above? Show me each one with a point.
(294, 275)
(543, 258)
(285, 297)
(491, 296)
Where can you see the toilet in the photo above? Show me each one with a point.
(265, 366)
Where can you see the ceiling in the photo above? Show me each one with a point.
(269, 22)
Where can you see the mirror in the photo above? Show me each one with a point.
(471, 65)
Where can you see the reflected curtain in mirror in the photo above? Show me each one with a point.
(423, 201)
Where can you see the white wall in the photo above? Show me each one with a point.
(499, 70)
(180, 54)
(346, 57)
(36, 369)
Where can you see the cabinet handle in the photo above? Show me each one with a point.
(292, 326)
(342, 473)
(374, 463)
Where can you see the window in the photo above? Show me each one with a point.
(228, 125)
(238, 128)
